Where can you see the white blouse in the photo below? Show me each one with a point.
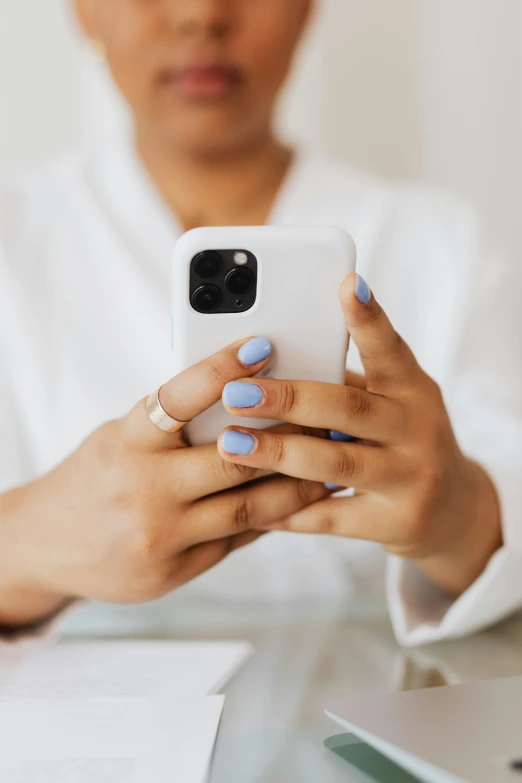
(85, 249)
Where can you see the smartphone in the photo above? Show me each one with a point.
(277, 282)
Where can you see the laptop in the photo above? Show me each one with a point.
(469, 733)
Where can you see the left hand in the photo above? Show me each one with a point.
(416, 492)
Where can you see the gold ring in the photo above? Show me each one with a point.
(160, 417)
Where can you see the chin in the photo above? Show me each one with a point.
(211, 137)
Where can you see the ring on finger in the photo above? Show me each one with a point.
(159, 416)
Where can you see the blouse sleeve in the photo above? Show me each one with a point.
(484, 398)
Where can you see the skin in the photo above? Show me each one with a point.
(118, 520)
(214, 156)
(416, 493)
(134, 513)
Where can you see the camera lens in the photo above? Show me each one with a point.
(239, 281)
(207, 264)
(206, 298)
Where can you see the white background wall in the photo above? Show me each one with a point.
(39, 80)
(410, 88)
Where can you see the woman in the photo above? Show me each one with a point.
(132, 513)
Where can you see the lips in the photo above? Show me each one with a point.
(211, 82)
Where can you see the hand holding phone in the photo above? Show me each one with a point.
(279, 282)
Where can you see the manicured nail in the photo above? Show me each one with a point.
(333, 486)
(238, 443)
(362, 290)
(340, 436)
(242, 395)
(255, 351)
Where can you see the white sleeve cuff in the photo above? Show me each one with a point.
(421, 613)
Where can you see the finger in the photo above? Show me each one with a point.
(357, 381)
(342, 464)
(201, 471)
(386, 358)
(247, 508)
(194, 391)
(362, 517)
(322, 405)
(202, 557)
(354, 379)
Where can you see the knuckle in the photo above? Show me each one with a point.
(146, 532)
(242, 515)
(148, 557)
(215, 372)
(238, 473)
(358, 405)
(344, 467)
(288, 397)
(142, 541)
(424, 498)
(277, 450)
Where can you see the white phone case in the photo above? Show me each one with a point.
(300, 270)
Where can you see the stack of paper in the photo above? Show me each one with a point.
(135, 668)
(107, 740)
(124, 712)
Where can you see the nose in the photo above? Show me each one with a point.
(203, 18)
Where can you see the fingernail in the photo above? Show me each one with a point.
(238, 443)
(254, 351)
(340, 436)
(333, 486)
(242, 395)
(362, 290)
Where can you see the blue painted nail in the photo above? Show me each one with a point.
(238, 443)
(242, 395)
(332, 486)
(362, 290)
(341, 437)
(255, 351)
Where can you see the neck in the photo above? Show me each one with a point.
(233, 189)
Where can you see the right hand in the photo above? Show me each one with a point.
(134, 512)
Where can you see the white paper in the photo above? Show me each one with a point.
(126, 669)
(108, 740)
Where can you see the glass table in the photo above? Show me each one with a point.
(305, 656)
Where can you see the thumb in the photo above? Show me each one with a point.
(385, 356)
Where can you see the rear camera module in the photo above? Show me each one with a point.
(207, 264)
(206, 298)
(240, 281)
(222, 281)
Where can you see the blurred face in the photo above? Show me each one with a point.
(200, 75)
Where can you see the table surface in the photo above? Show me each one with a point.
(306, 656)
(274, 727)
